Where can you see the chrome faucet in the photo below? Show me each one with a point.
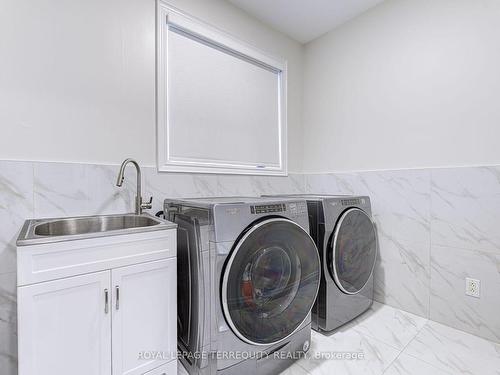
(139, 205)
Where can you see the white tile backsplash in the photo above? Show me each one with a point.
(291, 184)
(16, 204)
(465, 215)
(400, 202)
(401, 275)
(178, 185)
(8, 324)
(104, 197)
(435, 228)
(453, 211)
(449, 303)
(60, 189)
(232, 185)
(333, 183)
(468, 181)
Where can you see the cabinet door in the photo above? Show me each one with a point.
(144, 316)
(168, 369)
(65, 326)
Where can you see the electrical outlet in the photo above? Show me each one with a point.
(472, 287)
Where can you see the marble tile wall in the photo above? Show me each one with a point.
(436, 227)
(37, 189)
(465, 232)
(16, 203)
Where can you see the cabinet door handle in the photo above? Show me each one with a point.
(117, 297)
(106, 301)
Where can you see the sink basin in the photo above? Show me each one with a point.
(93, 224)
(75, 228)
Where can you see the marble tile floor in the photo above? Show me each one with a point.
(394, 342)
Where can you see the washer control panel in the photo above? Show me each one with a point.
(352, 202)
(268, 208)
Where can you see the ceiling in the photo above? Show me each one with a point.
(304, 20)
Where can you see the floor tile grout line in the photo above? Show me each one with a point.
(404, 348)
(302, 367)
(375, 338)
(421, 360)
(370, 337)
(384, 342)
(428, 363)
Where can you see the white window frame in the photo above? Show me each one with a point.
(168, 15)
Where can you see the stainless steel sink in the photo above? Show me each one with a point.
(73, 228)
(82, 225)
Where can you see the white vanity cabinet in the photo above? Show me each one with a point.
(143, 316)
(63, 326)
(98, 306)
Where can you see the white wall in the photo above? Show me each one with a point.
(411, 83)
(77, 77)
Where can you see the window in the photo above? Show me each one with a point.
(221, 104)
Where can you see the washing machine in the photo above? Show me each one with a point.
(248, 276)
(346, 238)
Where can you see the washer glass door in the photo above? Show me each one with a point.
(270, 281)
(353, 251)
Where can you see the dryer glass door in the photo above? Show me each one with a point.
(270, 281)
(353, 251)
